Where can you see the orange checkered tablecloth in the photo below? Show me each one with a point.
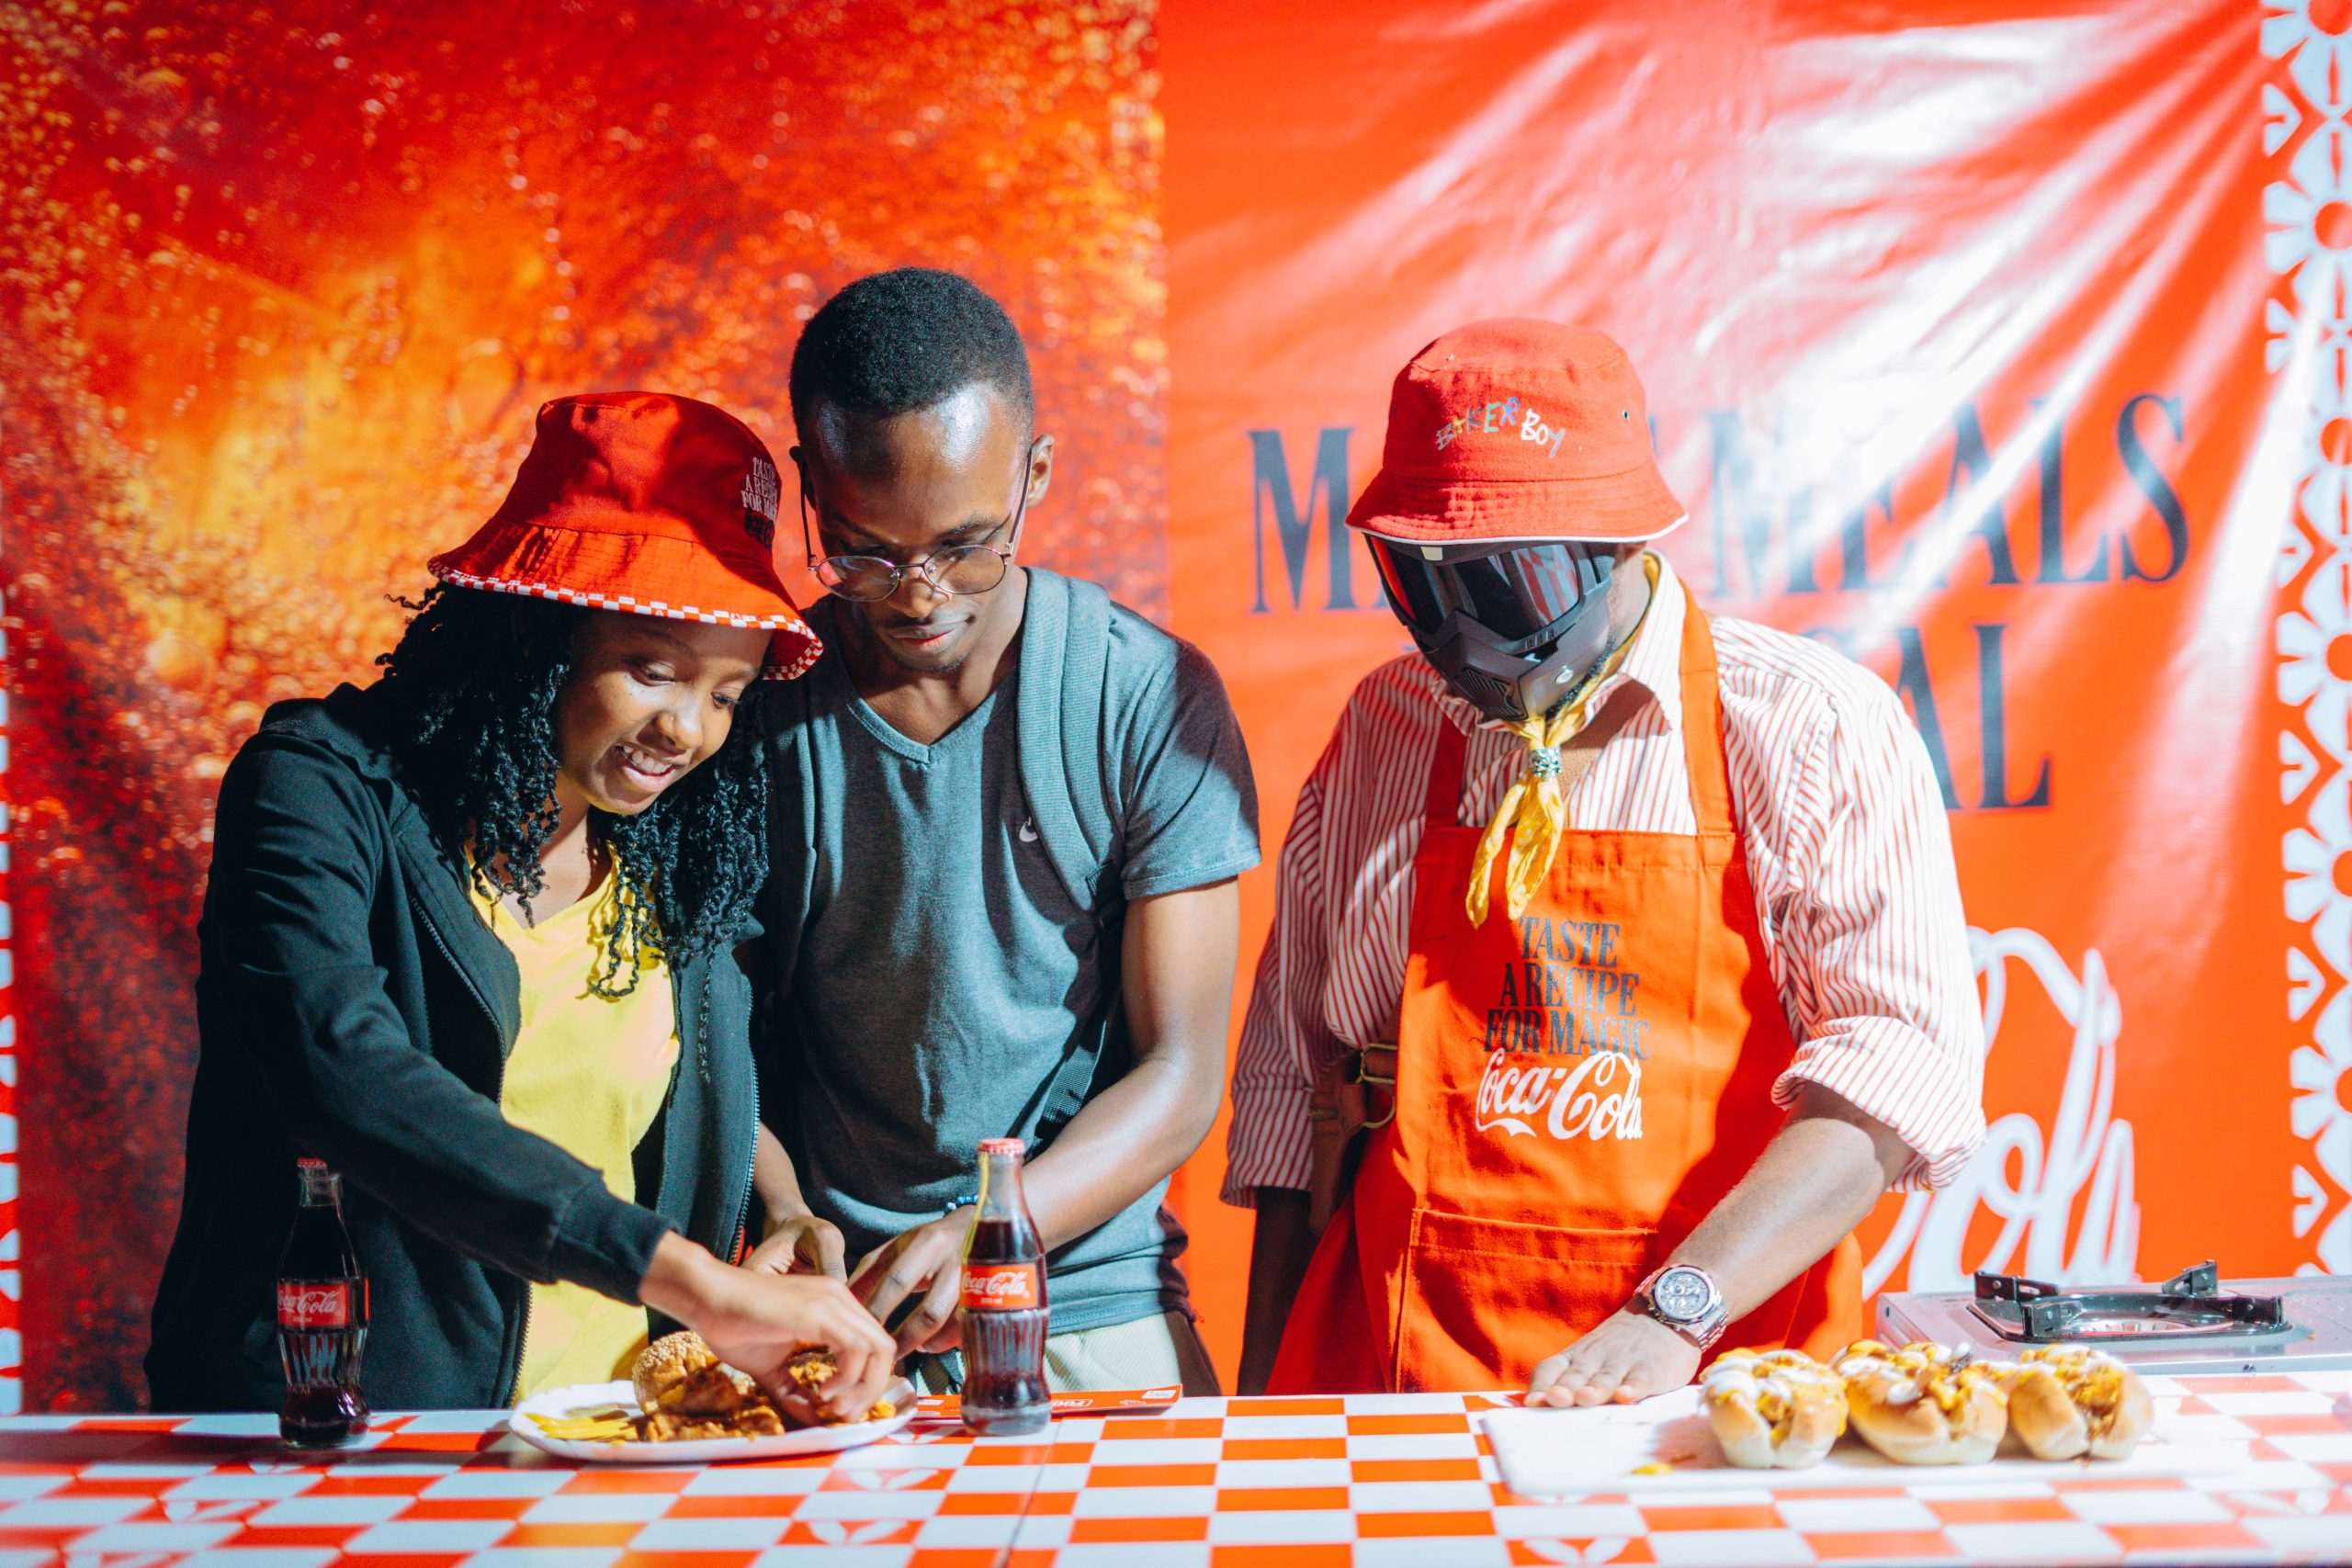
(1403, 1479)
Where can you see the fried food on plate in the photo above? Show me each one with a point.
(2065, 1401)
(1923, 1404)
(812, 1369)
(689, 1393)
(680, 1372)
(1773, 1409)
(678, 1427)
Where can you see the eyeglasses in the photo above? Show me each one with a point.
(958, 570)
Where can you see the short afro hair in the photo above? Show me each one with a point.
(903, 340)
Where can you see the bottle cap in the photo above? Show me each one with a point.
(308, 1163)
(1013, 1146)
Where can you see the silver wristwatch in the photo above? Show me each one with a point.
(1683, 1297)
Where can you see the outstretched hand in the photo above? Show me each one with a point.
(924, 1265)
(757, 1321)
(802, 1245)
(1629, 1356)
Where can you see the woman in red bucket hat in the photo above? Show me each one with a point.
(467, 939)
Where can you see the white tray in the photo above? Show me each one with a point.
(586, 1398)
(1554, 1453)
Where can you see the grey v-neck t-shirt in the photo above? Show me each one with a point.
(944, 969)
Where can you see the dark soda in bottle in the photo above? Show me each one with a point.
(1003, 1311)
(321, 1318)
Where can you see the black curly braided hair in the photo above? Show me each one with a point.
(472, 687)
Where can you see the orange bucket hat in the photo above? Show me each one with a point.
(1514, 431)
(646, 503)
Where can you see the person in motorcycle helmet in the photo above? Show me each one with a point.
(1635, 1121)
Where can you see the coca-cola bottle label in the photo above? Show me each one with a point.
(1000, 1287)
(303, 1305)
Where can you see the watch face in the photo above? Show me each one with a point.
(1680, 1293)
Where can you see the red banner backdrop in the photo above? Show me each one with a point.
(1952, 320)
(2005, 348)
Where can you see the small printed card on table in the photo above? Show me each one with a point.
(1094, 1402)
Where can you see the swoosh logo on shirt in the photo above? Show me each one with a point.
(1029, 831)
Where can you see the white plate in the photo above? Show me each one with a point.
(582, 1399)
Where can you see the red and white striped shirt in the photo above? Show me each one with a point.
(1847, 844)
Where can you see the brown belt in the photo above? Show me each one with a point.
(1351, 1097)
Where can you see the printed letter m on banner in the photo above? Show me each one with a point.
(1294, 516)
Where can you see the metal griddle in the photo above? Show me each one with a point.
(2194, 1322)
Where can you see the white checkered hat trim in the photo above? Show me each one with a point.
(634, 607)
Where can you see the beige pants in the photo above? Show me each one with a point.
(1151, 1352)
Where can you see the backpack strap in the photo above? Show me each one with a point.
(1067, 772)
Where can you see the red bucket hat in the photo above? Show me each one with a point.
(1517, 430)
(647, 503)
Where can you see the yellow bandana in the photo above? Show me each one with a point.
(1533, 804)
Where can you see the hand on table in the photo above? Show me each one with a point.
(924, 1265)
(756, 1321)
(802, 1244)
(1629, 1356)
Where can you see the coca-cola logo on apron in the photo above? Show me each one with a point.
(1570, 1002)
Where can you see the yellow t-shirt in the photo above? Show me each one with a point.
(588, 1075)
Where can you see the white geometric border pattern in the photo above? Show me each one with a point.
(2307, 218)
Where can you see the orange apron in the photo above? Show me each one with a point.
(1575, 1090)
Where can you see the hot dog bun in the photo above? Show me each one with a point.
(1774, 1408)
(2066, 1402)
(1923, 1404)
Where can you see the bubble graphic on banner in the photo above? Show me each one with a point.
(283, 287)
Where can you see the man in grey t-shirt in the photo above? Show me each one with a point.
(950, 956)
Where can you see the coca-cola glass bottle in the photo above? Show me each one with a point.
(321, 1318)
(1003, 1311)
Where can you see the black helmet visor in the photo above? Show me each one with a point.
(1517, 592)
